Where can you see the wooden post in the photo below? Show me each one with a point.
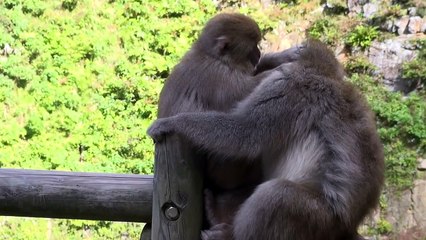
(177, 197)
(76, 195)
(146, 232)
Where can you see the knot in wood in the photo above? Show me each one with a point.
(172, 213)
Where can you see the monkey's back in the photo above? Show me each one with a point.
(351, 166)
(201, 83)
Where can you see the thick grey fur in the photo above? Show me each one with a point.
(216, 73)
(315, 137)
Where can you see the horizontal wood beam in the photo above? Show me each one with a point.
(76, 195)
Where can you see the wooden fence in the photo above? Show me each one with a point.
(170, 201)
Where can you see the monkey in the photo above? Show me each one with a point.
(216, 73)
(273, 60)
(315, 136)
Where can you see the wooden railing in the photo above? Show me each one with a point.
(170, 201)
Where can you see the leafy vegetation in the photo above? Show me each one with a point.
(401, 128)
(326, 30)
(359, 64)
(416, 69)
(383, 227)
(362, 36)
(79, 82)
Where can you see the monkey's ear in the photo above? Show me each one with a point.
(221, 44)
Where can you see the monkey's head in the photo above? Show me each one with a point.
(232, 38)
(316, 55)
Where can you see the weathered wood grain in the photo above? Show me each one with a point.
(76, 195)
(177, 197)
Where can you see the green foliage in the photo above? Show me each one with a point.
(33, 7)
(266, 22)
(416, 69)
(325, 30)
(69, 4)
(395, 11)
(335, 2)
(359, 64)
(82, 84)
(383, 203)
(335, 7)
(420, 5)
(41, 229)
(80, 88)
(382, 227)
(421, 11)
(401, 125)
(362, 36)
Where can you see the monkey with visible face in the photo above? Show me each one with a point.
(315, 138)
(216, 73)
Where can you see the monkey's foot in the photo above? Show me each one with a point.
(222, 231)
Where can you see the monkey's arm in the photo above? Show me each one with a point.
(256, 125)
(226, 134)
(272, 60)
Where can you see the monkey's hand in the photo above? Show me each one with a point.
(292, 54)
(221, 231)
(160, 128)
(273, 60)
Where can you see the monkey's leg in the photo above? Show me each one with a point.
(284, 210)
(221, 231)
(222, 206)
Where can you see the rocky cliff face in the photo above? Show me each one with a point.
(388, 57)
(406, 212)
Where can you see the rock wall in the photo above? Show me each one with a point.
(388, 57)
(406, 212)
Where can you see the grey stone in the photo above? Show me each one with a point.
(266, 3)
(412, 11)
(388, 57)
(399, 212)
(406, 212)
(370, 9)
(422, 165)
(402, 24)
(415, 25)
(355, 6)
(389, 26)
(419, 202)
